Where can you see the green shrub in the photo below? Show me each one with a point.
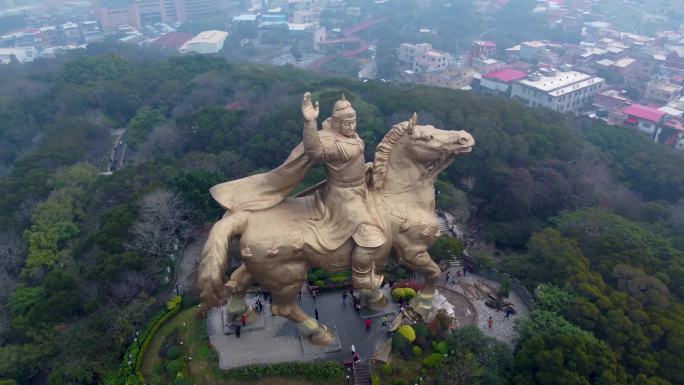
(386, 369)
(399, 381)
(407, 332)
(441, 347)
(173, 302)
(309, 370)
(174, 366)
(375, 380)
(505, 289)
(399, 342)
(320, 284)
(421, 329)
(409, 293)
(433, 361)
(398, 294)
(173, 352)
(417, 351)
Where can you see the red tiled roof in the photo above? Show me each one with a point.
(506, 75)
(173, 40)
(644, 112)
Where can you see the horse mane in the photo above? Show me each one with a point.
(382, 152)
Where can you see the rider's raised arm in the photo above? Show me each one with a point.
(312, 142)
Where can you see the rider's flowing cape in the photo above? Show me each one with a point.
(261, 191)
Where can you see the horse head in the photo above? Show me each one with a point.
(410, 151)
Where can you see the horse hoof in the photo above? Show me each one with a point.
(323, 337)
(422, 304)
(378, 304)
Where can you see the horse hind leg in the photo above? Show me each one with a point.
(284, 305)
(237, 288)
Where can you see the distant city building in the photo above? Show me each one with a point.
(499, 82)
(485, 66)
(454, 78)
(408, 52)
(481, 50)
(530, 49)
(609, 105)
(627, 68)
(432, 60)
(644, 118)
(562, 91)
(662, 92)
(246, 26)
(137, 13)
(172, 41)
(17, 55)
(206, 42)
(198, 9)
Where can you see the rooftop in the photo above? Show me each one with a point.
(485, 43)
(245, 17)
(173, 40)
(558, 81)
(644, 112)
(506, 75)
(663, 86)
(213, 36)
(534, 44)
(624, 62)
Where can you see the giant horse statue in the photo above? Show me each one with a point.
(274, 242)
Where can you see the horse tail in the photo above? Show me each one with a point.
(212, 279)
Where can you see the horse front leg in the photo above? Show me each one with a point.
(421, 262)
(284, 305)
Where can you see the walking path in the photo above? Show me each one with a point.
(476, 289)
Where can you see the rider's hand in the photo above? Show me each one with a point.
(309, 110)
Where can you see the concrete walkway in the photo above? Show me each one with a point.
(279, 340)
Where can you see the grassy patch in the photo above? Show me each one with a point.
(200, 361)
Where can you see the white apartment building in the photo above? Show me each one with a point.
(560, 91)
(432, 60)
(408, 52)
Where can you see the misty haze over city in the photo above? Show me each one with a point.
(336, 192)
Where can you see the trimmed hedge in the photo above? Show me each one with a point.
(310, 370)
(149, 333)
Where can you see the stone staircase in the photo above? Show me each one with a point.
(362, 373)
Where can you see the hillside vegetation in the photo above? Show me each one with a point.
(590, 216)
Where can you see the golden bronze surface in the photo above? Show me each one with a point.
(351, 222)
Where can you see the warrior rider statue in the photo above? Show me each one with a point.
(345, 213)
(341, 150)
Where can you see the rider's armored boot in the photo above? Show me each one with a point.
(365, 279)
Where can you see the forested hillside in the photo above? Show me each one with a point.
(589, 216)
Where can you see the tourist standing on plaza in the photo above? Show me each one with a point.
(490, 322)
(243, 320)
(368, 323)
(316, 313)
(344, 297)
(237, 331)
(384, 320)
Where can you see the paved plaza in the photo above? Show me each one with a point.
(279, 340)
(275, 339)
